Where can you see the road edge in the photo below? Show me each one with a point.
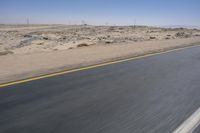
(65, 70)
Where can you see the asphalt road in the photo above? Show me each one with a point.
(149, 95)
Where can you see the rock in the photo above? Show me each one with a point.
(28, 36)
(109, 41)
(70, 48)
(38, 42)
(64, 38)
(82, 45)
(5, 52)
(152, 37)
(121, 28)
(45, 38)
(24, 43)
(111, 28)
(108, 36)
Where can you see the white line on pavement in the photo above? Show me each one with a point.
(189, 125)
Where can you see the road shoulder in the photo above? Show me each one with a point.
(22, 66)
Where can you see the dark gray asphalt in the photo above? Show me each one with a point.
(197, 130)
(150, 95)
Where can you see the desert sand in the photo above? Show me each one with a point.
(33, 50)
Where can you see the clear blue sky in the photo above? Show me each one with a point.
(121, 12)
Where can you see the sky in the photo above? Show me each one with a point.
(100, 12)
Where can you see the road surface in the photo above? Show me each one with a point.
(150, 95)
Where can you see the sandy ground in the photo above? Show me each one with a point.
(27, 51)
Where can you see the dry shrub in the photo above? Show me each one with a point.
(182, 35)
(5, 52)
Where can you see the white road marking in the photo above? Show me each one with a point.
(189, 125)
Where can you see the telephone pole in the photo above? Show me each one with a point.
(83, 22)
(135, 21)
(27, 21)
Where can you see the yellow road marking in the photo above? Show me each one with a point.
(90, 67)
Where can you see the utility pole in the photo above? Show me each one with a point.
(83, 22)
(27, 21)
(135, 21)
